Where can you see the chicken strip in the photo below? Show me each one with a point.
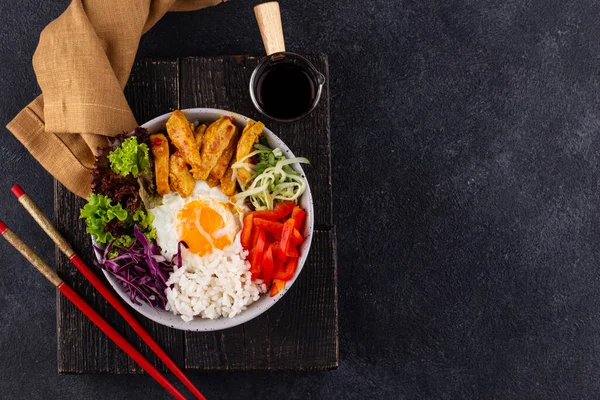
(160, 149)
(182, 137)
(223, 162)
(245, 145)
(199, 134)
(212, 181)
(228, 183)
(179, 175)
(215, 141)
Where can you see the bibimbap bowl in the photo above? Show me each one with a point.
(167, 318)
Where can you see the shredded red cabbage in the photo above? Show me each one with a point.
(141, 269)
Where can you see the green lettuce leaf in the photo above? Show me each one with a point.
(130, 158)
(124, 241)
(100, 211)
(97, 213)
(143, 219)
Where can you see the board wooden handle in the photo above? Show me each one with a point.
(268, 17)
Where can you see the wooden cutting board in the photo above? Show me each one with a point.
(301, 331)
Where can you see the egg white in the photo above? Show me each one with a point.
(167, 223)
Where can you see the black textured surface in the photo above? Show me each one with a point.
(300, 333)
(465, 174)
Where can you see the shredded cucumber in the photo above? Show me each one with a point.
(272, 179)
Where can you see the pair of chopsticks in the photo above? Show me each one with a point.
(80, 303)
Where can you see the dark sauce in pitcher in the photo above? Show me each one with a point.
(285, 91)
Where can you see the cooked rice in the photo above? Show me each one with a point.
(213, 286)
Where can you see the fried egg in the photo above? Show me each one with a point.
(206, 222)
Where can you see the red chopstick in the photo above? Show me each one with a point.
(100, 322)
(64, 246)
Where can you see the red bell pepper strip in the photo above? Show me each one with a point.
(254, 267)
(286, 235)
(278, 256)
(289, 270)
(254, 236)
(278, 264)
(267, 266)
(271, 237)
(280, 211)
(246, 236)
(277, 287)
(257, 255)
(276, 228)
(292, 251)
(297, 237)
(277, 253)
(298, 214)
(284, 209)
(266, 214)
(270, 226)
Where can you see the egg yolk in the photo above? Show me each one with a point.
(201, 228)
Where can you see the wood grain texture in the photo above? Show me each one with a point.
(268, 17)
(82, 348)
(301, 331)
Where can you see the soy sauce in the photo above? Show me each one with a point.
(285, 91)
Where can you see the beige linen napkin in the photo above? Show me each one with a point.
(82, 64)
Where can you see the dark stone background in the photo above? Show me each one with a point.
(465, 176)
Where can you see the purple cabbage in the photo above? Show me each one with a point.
(141, 269)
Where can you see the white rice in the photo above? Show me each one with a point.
(213, 286)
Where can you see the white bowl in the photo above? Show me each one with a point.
(265, 302)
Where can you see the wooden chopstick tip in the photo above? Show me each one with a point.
(17, 191)
(3, 228)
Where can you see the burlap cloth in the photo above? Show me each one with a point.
(82, 64)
